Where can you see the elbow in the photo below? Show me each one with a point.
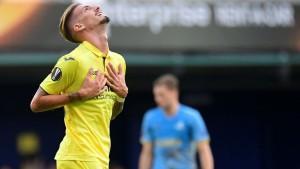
(34, 106)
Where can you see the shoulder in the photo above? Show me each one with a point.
(116, 55)
(74, 55)
(151, 113)
(190, 112)
(67, 61)
(68, 58)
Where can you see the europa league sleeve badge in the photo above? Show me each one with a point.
(56, 74)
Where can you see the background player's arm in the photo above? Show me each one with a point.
(145, 161)
(205, 155)
(146, 156)
(201, 137)
(42, 101)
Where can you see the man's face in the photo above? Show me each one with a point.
(164, 96)
(90, 16)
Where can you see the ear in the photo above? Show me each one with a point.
(78, 27)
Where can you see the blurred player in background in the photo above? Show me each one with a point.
(90, 83)
(173, 132)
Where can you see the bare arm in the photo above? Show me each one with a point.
(145, 161)
(42, 101)
(205, 155)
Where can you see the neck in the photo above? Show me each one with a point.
(172, 109)
(100, 40)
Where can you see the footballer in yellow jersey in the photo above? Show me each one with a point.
(90, 83)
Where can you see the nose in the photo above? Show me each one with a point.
(97, 8)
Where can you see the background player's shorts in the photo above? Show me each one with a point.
(66, 164)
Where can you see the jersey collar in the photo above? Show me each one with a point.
(174, 116)
(93, 49)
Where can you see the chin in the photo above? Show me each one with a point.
(163, 106)
(105, 20)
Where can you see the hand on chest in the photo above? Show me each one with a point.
(100, 64)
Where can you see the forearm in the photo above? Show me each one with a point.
(42, 103)
(49, 102)
(145, 161)
(206, 159)
(117, 109)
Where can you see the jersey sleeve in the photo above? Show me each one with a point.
(199, 130)
(147, 133)
(61, 76)
(123, 64)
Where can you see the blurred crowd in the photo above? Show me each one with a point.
(39, 163)
(28, 147)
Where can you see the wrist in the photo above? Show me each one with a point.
(125, 93)
(122, 96)
(74, 96)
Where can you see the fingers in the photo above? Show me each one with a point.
(112, 68)
(111, 71)
(111, 80)
(114, 87)
(120, 70)
(101, 80)
(99, 76)
(101, 91)
(90, 72)
(102, 84)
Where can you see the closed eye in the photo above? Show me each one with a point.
(86, 8)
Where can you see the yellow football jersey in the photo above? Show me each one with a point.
(87, 122)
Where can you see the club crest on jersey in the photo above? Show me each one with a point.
(56, 74)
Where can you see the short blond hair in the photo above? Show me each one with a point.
(64, 23)
(168, 80)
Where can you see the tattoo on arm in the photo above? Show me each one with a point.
(74, 96)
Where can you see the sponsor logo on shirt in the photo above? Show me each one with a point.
(107, 95)
(168, 142)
